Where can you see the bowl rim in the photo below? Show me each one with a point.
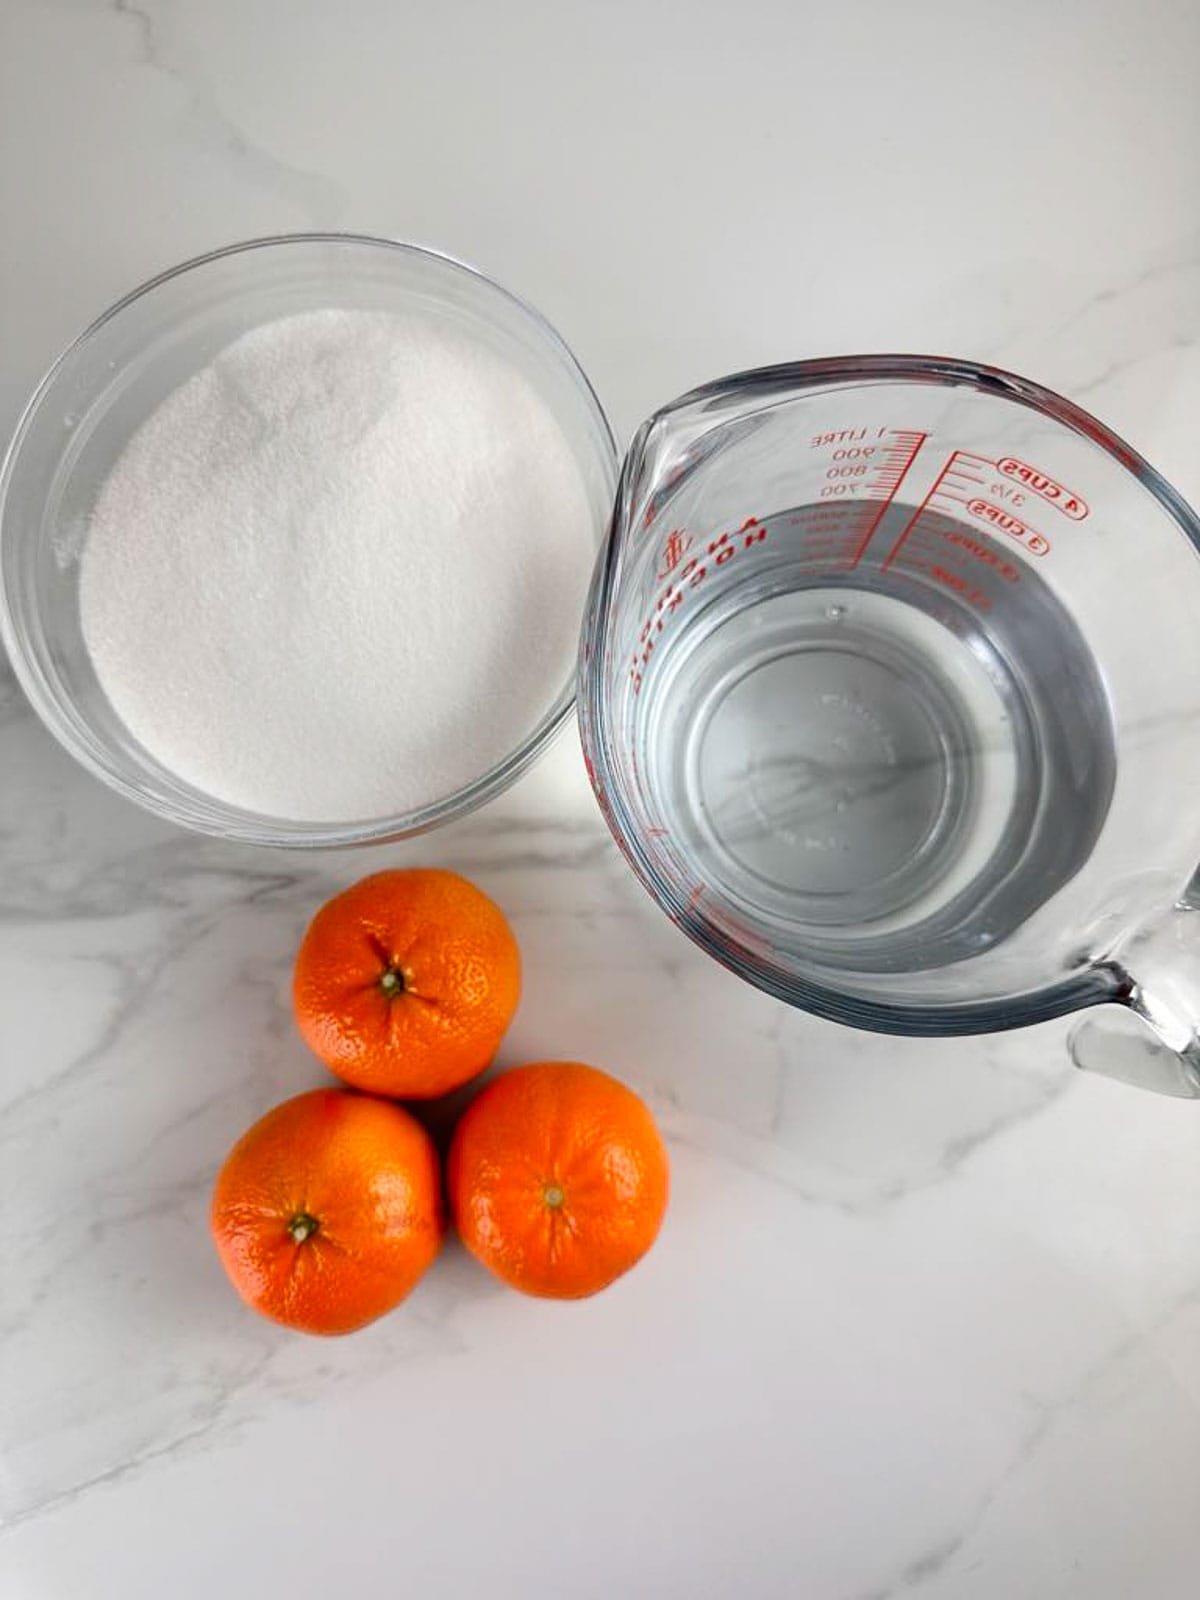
(1090, 984)
(238, 824)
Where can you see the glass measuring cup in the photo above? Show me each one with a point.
(890, 693)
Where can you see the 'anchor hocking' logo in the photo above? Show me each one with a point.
(675, 546)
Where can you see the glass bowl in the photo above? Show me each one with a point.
(117, 372)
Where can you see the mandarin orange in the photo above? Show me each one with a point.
(406, 982)
(557, 1178)
(328, 1210)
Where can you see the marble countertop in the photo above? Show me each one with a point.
(925, 1317)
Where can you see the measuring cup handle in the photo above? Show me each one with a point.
(1149, 1035)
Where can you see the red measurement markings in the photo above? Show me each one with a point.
(963, 469)
(1056, 494)
(996, 517)
(895, 460)
(956, 481)
(918, 513)
(983, 553)
(961, 585)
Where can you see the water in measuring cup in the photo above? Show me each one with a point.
(889, 767)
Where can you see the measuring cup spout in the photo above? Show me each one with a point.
(1149, 1035)
(887, 692)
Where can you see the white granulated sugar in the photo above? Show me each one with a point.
(339, 572)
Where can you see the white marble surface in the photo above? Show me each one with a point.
(925, 1319)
